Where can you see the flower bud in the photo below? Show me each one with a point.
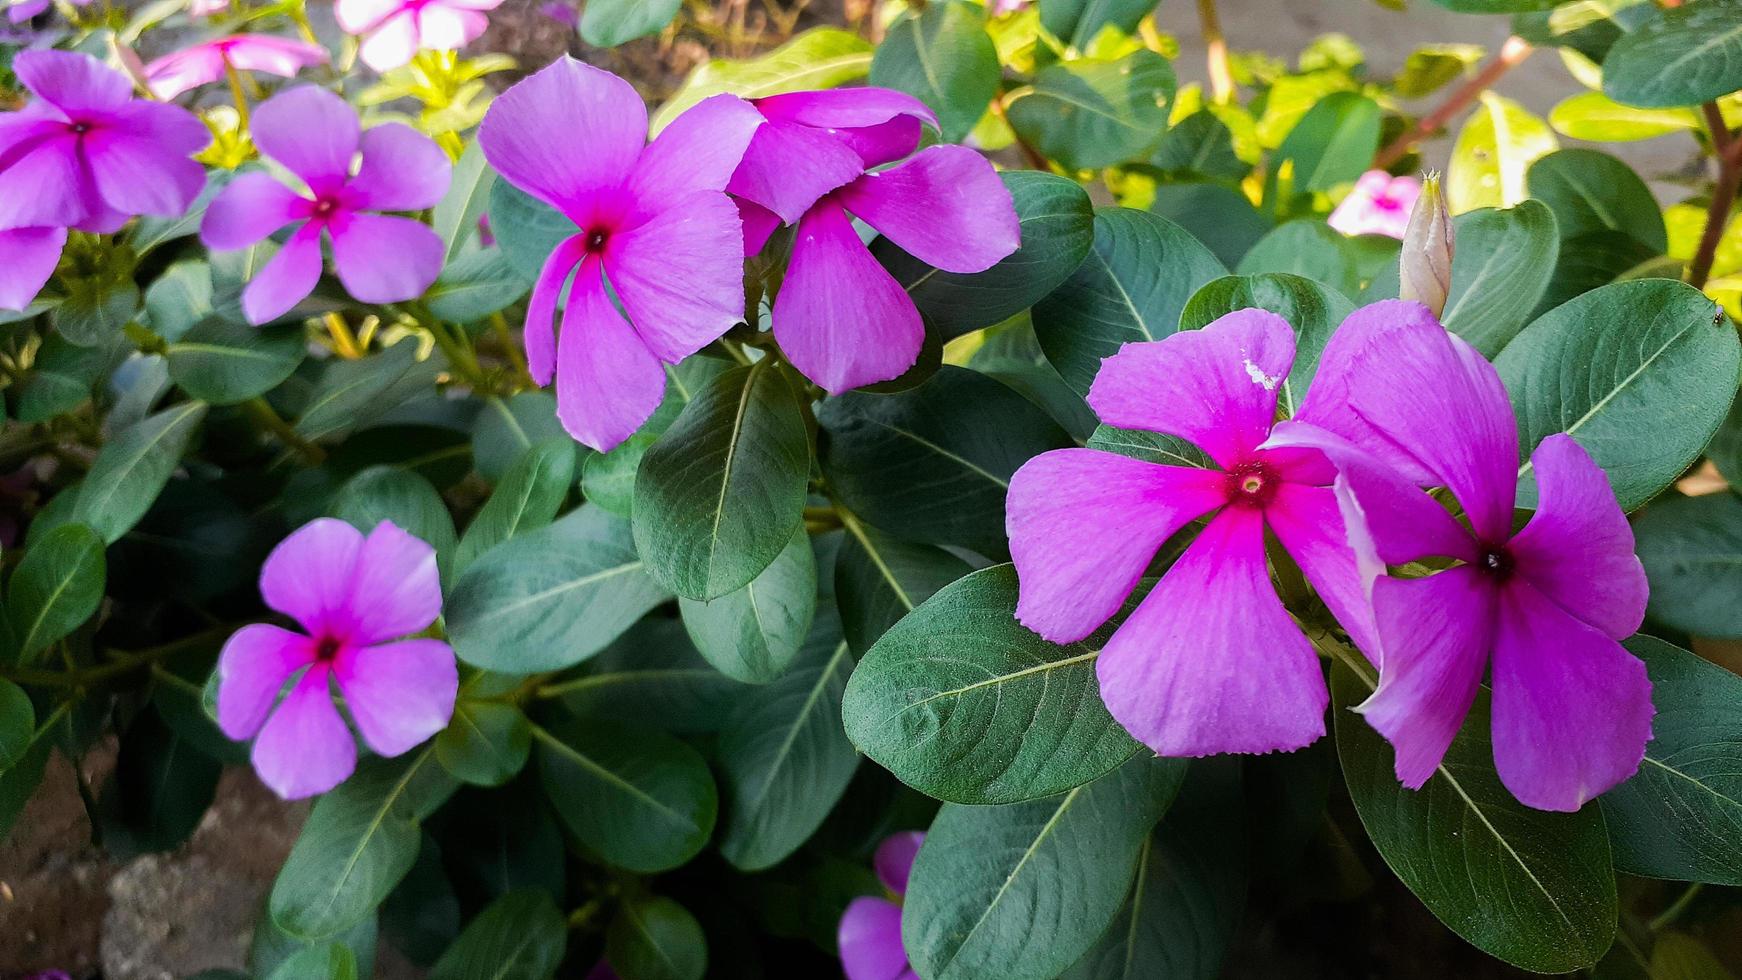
(1425, 264)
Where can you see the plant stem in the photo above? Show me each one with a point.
(261, 411)
(1216, 52)
(1729, 153)
(344, 341)
(1512, 53)
(236, 93)
(1669, 915)
(500, 324)
(123, 662)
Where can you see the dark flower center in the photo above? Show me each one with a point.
(80, 128)
(326, 649)
(1250, 484)
(1494, 562)
(325, 206)
(596, 240)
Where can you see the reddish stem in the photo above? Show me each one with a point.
(1514, 51)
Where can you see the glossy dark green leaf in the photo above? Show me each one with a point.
(1588, 28)
(550, 598)
(941, 55)
(95, 312)
(1022, 891)
(1692, 551)
(1200, 145)
(456, 215)
(608, 23)
(178, 299)
(520, 936)
(333, 961)
(132, 468)
(486, 743)
(19, 780)
(639, 798)
(1682, 56)
(608, 479)
(1332, 144)
(1308, 248)
(352, 393)
(57, 586)
(272, 946)
(964, 703)
(1078, 22)
(506, 428)
(61, 378)
(653, 673)
(879, 578)
(1531, 887)
(476, 285)
(1312, 309)
(1680, 816)
(753, 634)
(526, 499)
(388, 493)
(1219, 217)
(656, 939)
(17, 724)
(526, 229)
(1641, 373)
(1131, 287)
(718, 497)
(1091, 113)
(159, 791)
(223, 363)
(1592, 191)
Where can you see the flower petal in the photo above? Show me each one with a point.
(1572, 708)
(252, 669)
(1310, 526)
(394, 589)
(529, 133)
(1364, 335)
(1436, 633)
(445, 28)
(135, 175)
(759, 223)
(539, 334)
(48, 186)
(1085, 524)
(72, 82)
(281, 56)
(1214, 387)
(308, 576)
(305, 747)
(248, 209)
(945, 207)
(894, 859)
(180, 71)
(845, 108)
(870, 940)
(287, 277)
(1211, 662)
(840, 317)
(384, 259)
(362, 16)
(402, 170)
(884, 142)
(697, 152)
(1578, 548)
(787, 168)
(680, 275)
(608, 383)
(398, 693)
(28, 257)
(313, 132)
(392, 43)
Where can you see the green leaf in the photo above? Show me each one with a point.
(159, 791)
(1313, 310)
(527, 230)
(520, 936)
(1131, 287)
(224, 363)
(1308, 248)
(506, 429)
(608, 23)
(1692, 551)
(131, 469)
(1493, 152)
(1641, 373)
(1680, 57)
(359, 840)
(486, 744)
(330, 962)
(530, 494)
(822, 57)
(1218, 217)
(1433, 66)
(718, 497)
(388, 493)
(964, 703)
(656, 939)
(1531, 887)
(456, 215)
(608, 479)
(942, 56)
(550, 598)
(1595, 117)
(178, 299)
(1496, 6)
(1092, 113)
(1593, 191)
(1332, 144)
(1589, 27)
(753, 634)
(784, 758)
(19, 780)
(653, 673)
(57, 586)
(271, 946)
(1057, 230)
(1201, 145)
(880, 578)
(95, 311)
(150, 232)
(1680, 816)
(62, 378)
(1078, 22)
(352, 393)
(476, 285)
(17, 724)
(1022, 891)
(639, 798)
(933, 463)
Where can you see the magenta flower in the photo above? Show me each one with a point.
(354, 596)
(1210, 661)
(393, 31)
(653, 219)
(1543, 608)
(84, 154)
(1379, 205)
(206, 8)
(869, 936)
(840, 317)
(315, 135)
(201, 64)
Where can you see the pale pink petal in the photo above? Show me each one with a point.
(383, 259)
(179, 71)
(28, 257)
(945, 207)
(1436, 633)
(540, 332)
(1211, 662)
(697, 152)
(249, 208)
(1214, 387)
(1572, 708)
(392, 43)
(680, 275)
(48, 186)
(135, 175)
(844, 108)
(565, 133)
(840, 317)
(281, 56)
(398, 693)
(252, 669)
(308, 576)
(287, 277)
(1085, 524)
(1308, 523)
(787, 168)
(402, 170)
(759, 223)
(1578, 548)
(393, 590)
(1379, 205)
(362, 16)
(894, 859)
(305, 747)
(313, 132)
(74, 83)
(607, 382)
(446, 28)
(869, 939)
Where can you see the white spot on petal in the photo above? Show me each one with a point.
(1259, 378)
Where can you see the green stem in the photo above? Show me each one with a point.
(122, 662)
(1676, 908)
(261, 412)
(236, 93)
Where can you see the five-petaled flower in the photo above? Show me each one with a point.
(354, 596)
(869, 936)
(208, 61)
(652, 219)
(1379, 205)
(379, 258)
(1542, 608)
(395, 30)
(84, 154)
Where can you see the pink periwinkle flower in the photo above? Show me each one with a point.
(1379, 205)
(652, 218)
(1543, 609)
(840, 317)
(203, 63)
(84, 154)
(379, 258)
(353, 596)
(206, 8)
(1210, 661)
(869, 936)
(393, 31)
